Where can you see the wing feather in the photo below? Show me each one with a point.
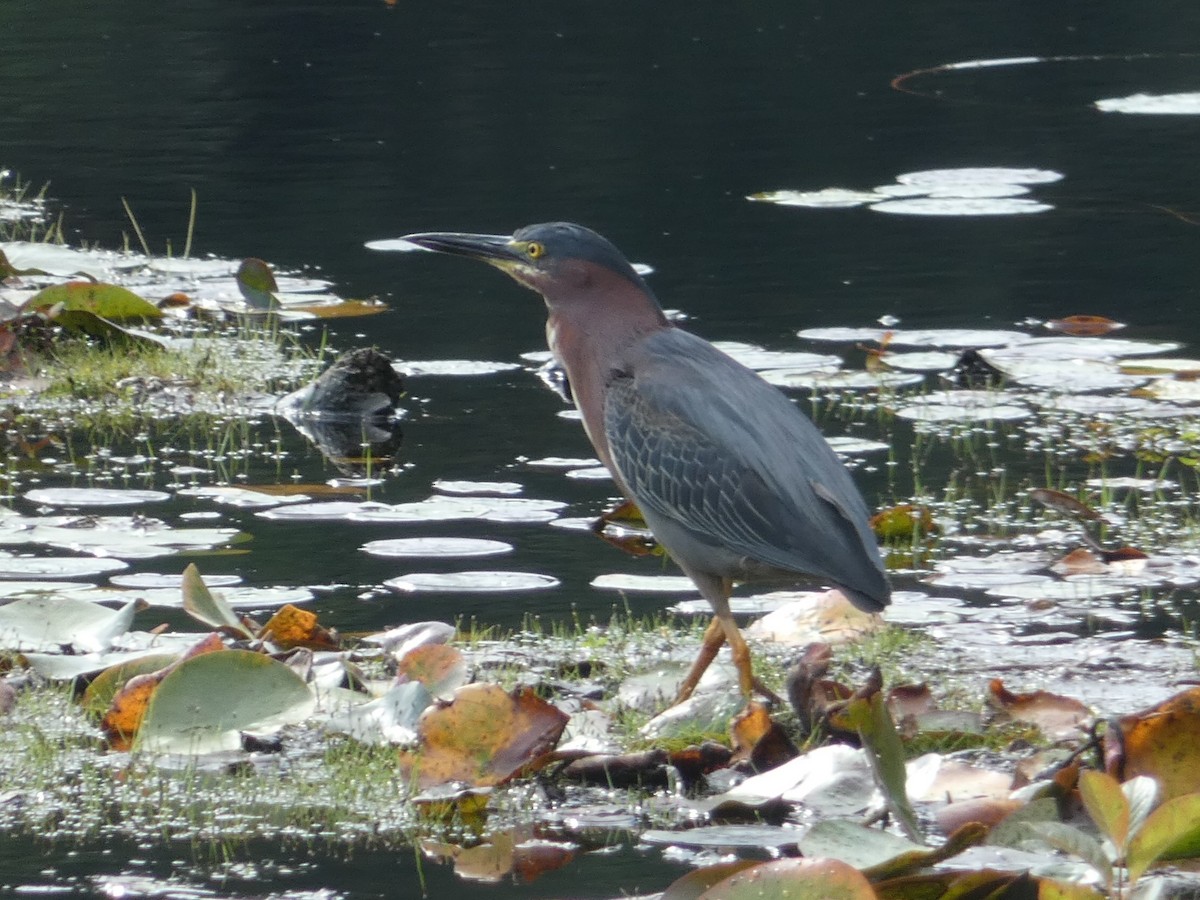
(704, 442)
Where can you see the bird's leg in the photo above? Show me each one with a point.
(741, 653)
(714, 637)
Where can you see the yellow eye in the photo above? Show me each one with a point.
(535, 250)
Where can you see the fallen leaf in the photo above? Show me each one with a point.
(1162, 742)
(292, 627)
(1059, 718)
(484, 736)
(1065, 504)
(1083, 325)
(440, 667)
(758, 739)
(644, 769)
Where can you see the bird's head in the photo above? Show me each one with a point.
(565, 263)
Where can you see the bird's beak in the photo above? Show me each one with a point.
(497, 249)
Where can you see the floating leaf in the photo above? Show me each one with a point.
(869, 716)
(1058, 717)
(435, 547)
(104, 687)
(202, 604)
(93, 496)
(1084, 325)
(485, 736)
(346, 309)
(440, 667)
(54, 622)
(1107, 805)
(48, 567)
(257, 285)
(1181, 104)
(903, 522)
(390, 719)
(109, 301)
(1162, 742)
(961, 206)
(697, 881)
(470, 582)
(941, 178)
(207, 702)
(651, 584)
(130, 697)
(294, 627)
(796, 879)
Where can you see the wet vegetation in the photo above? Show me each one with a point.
(1038, 505)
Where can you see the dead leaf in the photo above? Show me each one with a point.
(1059, 718)
(1083, 326)
(758, 739)
(644, 769)
(1162, 741)
(988, 811)
(292, 627)
(1065, 504)
(484, 736)
(440, 667)
(812, 696)
(1080, 561)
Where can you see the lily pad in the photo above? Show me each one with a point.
(52, 622)
(652, 584)
(961, 206)
(436, 547)
(58, 566)
(470, 582)
(453, 367)
(974, 175)
(1182, 104)
(94, 496)
(478, 487)
(109, 301)
(826, 198)
(206, 703)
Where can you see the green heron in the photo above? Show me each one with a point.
(733, 480)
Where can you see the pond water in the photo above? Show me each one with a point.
(309, 129)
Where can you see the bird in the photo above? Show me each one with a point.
(733, 480)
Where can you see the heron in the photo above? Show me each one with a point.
(733, 480)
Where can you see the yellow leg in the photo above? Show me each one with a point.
(741, 653)
(714, 637)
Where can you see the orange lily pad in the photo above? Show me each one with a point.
(485, 736)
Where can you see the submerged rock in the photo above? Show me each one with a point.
(360, 384)
(355, 400)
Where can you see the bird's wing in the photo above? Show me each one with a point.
(700, 439)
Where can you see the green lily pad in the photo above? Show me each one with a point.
(109, 301)
(208, 701)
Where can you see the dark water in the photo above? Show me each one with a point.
(307, 129)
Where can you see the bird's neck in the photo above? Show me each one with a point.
(591, 348)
